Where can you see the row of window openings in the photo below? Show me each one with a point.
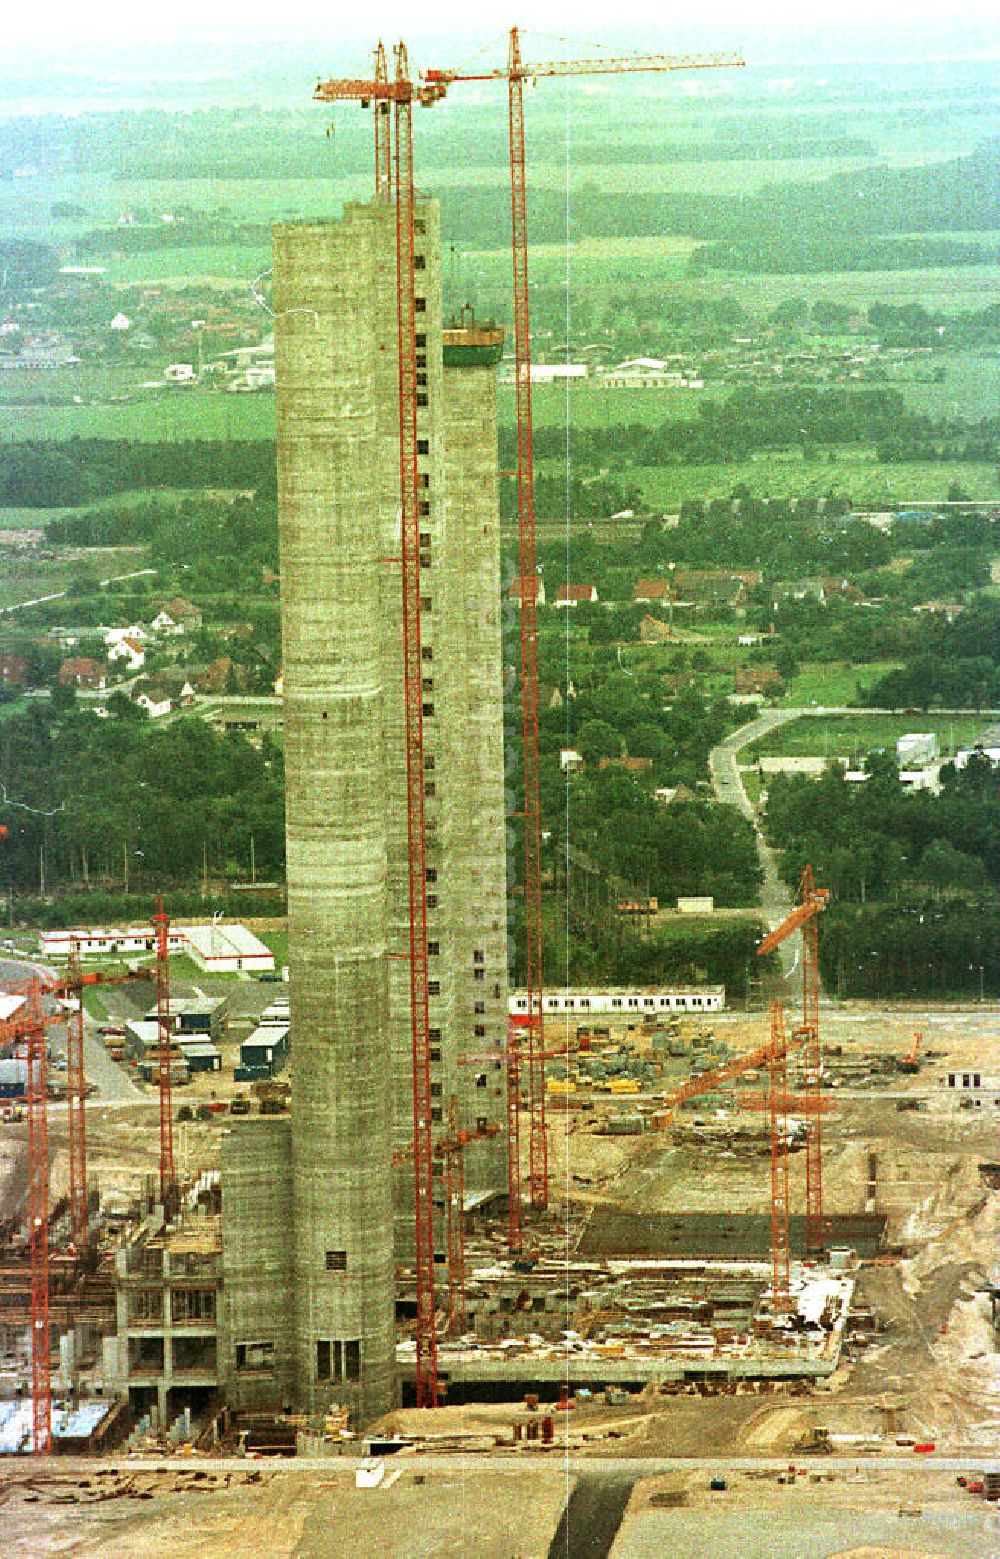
(337, 1360)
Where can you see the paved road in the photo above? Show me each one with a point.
(727, 783)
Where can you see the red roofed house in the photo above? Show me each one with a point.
(80, 671)
(130, 651)
(515, 591)
(652, 590)
(13, 670)
(574, 595)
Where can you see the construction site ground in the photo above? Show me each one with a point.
(442, 1507)
(928, 1372)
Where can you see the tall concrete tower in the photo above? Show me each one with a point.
(311, 1302)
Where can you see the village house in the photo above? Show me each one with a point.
(81, 671)
(576, 595)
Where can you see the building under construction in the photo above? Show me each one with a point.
(315, 1215)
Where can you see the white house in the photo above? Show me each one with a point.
(154, 707)
(625, 1002)
(644, 373)
(121, 322)
(130, 652)
(180, 373)
(165, 624)
(570, 761)
(134, 631)
(548, 373)
(93, 941)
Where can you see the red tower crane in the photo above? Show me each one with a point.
(27, 1026)
(779, 1162)
(38, 1227)
(400, 92)
(772, 1054)
(512, 1057)
(805, 917)
(76, 1087)
(515, 74)
(451, 1149)
(76, 1093)
(168, 1176)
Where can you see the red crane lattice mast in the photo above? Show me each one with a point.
(26, 1027)
(777, 1074)
(400, 93)
(772, 1053)
(76, 1085)
(805, 917)
(38, 1225)
(515, 74)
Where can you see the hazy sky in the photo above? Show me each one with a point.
(768, 29)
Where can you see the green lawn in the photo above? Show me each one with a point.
(277, 941)
(854, 735)
(170, 414)
(784, 473)
(833, 682)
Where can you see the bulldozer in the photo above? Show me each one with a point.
(815, 1441)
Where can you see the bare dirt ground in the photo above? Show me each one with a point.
(294, 1515)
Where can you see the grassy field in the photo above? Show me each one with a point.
(854, 735)
(172, 414)
(783, 473)
(833, 683)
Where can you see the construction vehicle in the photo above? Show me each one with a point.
(910, 1063)
(815, 1442)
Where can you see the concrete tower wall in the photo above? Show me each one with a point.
(479, 861)
(324, 278)
(256, 1314)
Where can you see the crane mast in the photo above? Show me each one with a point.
(38, 1224)
(436, 85)
(777, 1079)
(804, 917)
(538, 1176)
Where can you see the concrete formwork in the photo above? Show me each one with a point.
(345, 761)
(324, 280)
(257, 1302)
(480, 926)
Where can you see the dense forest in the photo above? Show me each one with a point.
(85, 794)
(915, 879)
(951, 665)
